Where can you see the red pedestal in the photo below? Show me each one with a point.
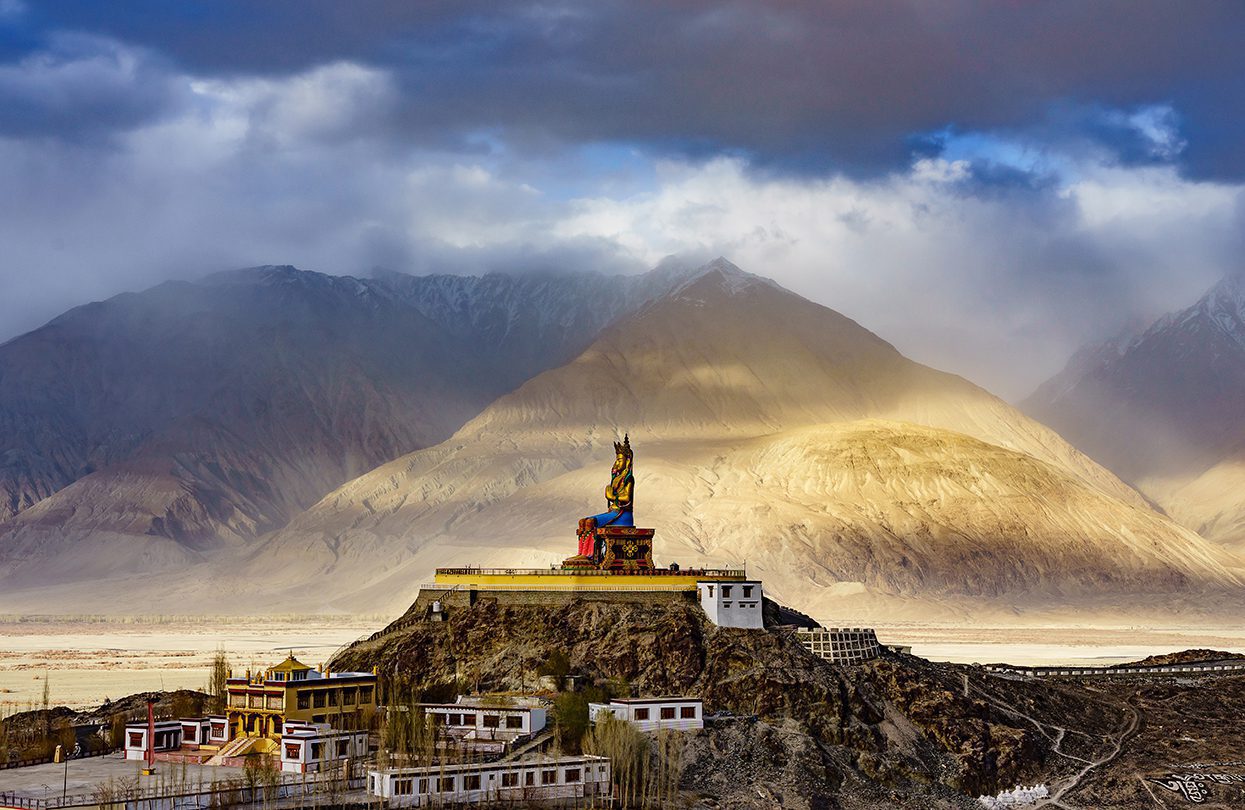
(627, 548)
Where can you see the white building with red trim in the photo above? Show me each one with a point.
(529, 780)
(312, 747)
(654, 713)
(168, 737)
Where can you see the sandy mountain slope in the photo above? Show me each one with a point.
(772, 430)
(1165, 409)
(156, 429)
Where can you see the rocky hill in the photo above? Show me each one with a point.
(796, 731)
(1162, 408)
(776, 432)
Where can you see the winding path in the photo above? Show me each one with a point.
(1068, 784)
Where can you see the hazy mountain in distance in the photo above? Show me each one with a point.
(772, 430)
(149, 429)
(1165, 409)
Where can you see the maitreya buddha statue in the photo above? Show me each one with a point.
(619, 498)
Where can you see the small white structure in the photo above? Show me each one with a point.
(168, 738)
(486, 722)
(218, 730)
(311, 747)
(543, 778)
(732, 604)
(1021, 796)
(653, 714)
(196, 731)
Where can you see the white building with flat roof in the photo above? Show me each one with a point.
(732, 604)
(476, 722)
(312, 747)
(168, 737)
(653, 714)
(538, 779)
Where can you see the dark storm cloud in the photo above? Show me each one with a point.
(806, 86)
(79, 87)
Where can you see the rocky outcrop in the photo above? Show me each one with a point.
(895, 724)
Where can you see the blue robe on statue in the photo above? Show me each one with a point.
(618, 517)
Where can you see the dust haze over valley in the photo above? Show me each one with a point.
(769, 430)
(931, 317)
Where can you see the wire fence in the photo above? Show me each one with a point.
(219, 793)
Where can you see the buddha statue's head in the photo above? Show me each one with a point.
(622, 454)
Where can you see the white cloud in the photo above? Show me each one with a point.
(998, 283)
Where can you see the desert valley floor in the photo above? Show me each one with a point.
(86, 662)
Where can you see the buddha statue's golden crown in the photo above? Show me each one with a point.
(625, 447)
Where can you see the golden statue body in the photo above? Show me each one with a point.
(596, 531)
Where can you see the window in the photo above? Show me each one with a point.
(514, 721)
(136, 739)
(365, 694)
(343, 748)
(349, 697)
(423, 785)
(304, 700)
(572, 775)
(491, 721)
(402, 787)
(687, 712)
(641, 714)
(446, 784)
(471, 781)
(237, 701)
(548, 777)
(319, 700)
(293, 751)
(468, 720)
(726, 591)
(510, 779)
(529, 778)
(667, 712)
(747, 592)
(317, 751)
(334, 697)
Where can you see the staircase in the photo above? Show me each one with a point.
(539, 741)
(240, 747)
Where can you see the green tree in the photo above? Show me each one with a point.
(571, 709)
(557, 665)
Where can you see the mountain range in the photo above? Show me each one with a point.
(331, 440)
(1165, 409)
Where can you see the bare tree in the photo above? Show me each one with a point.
(217, 681)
